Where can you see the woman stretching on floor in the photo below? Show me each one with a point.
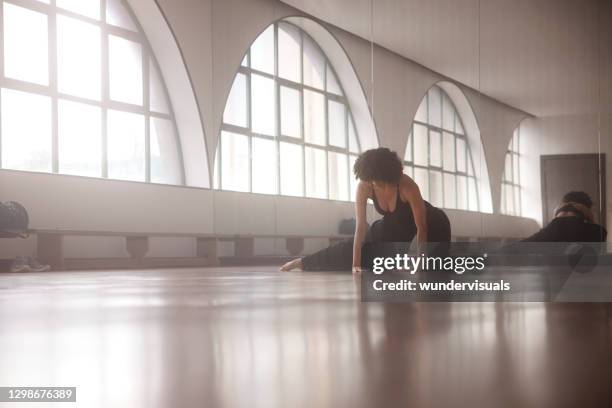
(404, 214)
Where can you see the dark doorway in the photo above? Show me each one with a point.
(573, 172)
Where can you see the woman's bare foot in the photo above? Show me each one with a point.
(295, 264)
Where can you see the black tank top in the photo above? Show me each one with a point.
(398, 225)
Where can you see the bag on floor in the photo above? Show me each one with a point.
(14, 218)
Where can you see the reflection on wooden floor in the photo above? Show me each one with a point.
(257, 338)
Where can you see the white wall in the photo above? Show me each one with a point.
(213, 36)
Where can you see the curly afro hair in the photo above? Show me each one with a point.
(579, 197)
(379, 164)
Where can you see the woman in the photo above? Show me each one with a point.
(404, 215)
(573, 222)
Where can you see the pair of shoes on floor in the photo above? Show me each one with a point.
(28, 264)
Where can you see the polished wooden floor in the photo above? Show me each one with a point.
(258, 338)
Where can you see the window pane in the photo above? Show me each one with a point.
(421, 114)
(125, 70)
(26, 131)
(80, 139)
(449, 152)
(262, 51)
(509, 197)
(263, 112)
(291, 124)
(217, 175)
(435, 107)
(338, 176)
(503, 208)
(353, 181)
(314, 64)
(337, 124)
(515, 141)
(508, 168)
(78, 58)
(165, 163)
(435, 147)
(462, 193)
(316, 173)
(472, 195)
(408, 155)
(118, 15)
(353, 143)
(126, 146)
(517, 200)
(448, 114)
(450, 198)
(236, 106)
(333, 86)
(421, 150)
(515, 168)
(89, 8)
(291, 169)
(234, 162)
(289, 63)
(435, 188)
(314, 117)
(157, 94)
(461, 152)
(26, 54)
(264, 165)
(421, 177)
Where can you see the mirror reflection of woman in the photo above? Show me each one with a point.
(573, 222)
(405, 215)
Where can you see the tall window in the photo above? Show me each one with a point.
(287, 127)
(82, 94)
(511, 180)
(438, 155)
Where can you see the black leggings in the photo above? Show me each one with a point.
(339, 257)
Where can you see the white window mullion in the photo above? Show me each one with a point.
(278, 111)
(302, 118)
(105, 91)
(52, 30)
(33, 5)
(250, 122)
(146, 103)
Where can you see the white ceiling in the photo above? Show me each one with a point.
(541, 56)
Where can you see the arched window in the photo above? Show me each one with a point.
(438, 154)
(511, 180)
(287, 127)
(82, 94)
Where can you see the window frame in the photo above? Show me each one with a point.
(248, 71)
(469, 161)
(510, 181)
(52, 11)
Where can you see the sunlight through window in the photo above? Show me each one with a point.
(438, 156)
(287, 126)
(74, 102)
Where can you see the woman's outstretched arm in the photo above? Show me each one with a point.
(363, 191)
